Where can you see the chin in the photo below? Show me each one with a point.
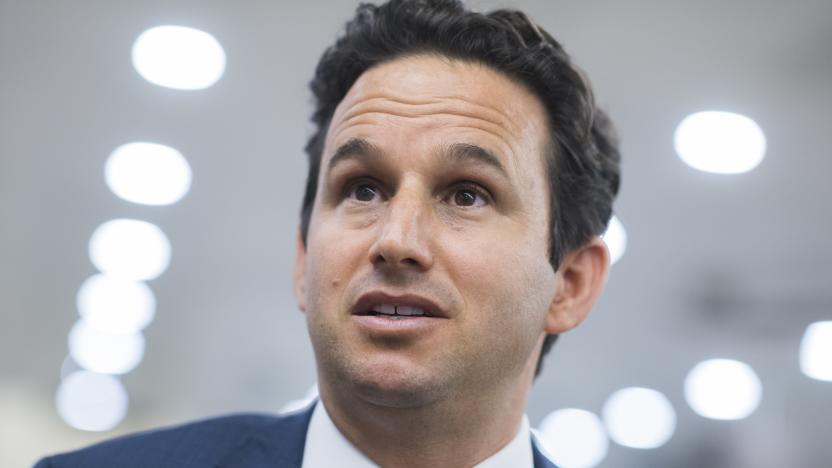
(393, 385)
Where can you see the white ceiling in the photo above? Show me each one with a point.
(717, 266)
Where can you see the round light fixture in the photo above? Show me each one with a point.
(720, 142)
(91, 402)
(723, 389)
(639, 418)
(130, 249)
(573, 438)
(178, 57)
(148, 173)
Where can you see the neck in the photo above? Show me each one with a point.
(457, 431)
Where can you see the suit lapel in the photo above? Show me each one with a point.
(279, 444)
(540, 460)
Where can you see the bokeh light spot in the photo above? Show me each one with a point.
(639, 418)
(573, 438)
(720, 142)
(148, 173)
(105, 353)
(116, 305)
(90, 401)
(130, 249)
(178, 57)
(616, 239)
(816, 351)
(723, 389)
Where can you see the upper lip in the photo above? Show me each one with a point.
(367, 301)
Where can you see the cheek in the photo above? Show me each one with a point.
(507, 277)
(331, 261)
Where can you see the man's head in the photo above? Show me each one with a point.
(458, 158)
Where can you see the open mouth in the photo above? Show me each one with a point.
(397, 311)
(379, 307)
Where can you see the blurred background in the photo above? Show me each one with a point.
(150, 184)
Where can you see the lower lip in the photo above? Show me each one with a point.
(397, 325)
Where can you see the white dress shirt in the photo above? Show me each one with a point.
(327, 447)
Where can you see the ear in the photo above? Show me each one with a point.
(580, 278)
(299, 273)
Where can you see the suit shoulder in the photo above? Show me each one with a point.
(200, 443)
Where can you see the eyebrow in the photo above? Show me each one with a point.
(354, 148)
(467, 153)
(459, 153)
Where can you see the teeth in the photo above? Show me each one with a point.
(389, 309)
(407, 310)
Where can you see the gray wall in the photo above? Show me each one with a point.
(717, 266)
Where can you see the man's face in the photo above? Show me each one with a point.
(431, 199)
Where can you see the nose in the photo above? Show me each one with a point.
(403, 239)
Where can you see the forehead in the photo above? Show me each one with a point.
(435, 92)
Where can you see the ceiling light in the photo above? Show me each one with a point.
(116, 305)
(723, 389)
(130, 249)
(720, 142)
(573, 438)
(816, 351)
(148, 173)
(178, 57)
(90, 401)
(616, 239)
(105, 353)
(639, 418)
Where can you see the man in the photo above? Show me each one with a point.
(459, 179)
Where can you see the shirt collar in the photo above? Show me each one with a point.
(327, 447)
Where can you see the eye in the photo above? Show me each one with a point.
(363, 192)
(469, 197)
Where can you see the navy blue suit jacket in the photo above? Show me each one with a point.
(238, 441)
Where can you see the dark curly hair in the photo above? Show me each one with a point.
(583, 164)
